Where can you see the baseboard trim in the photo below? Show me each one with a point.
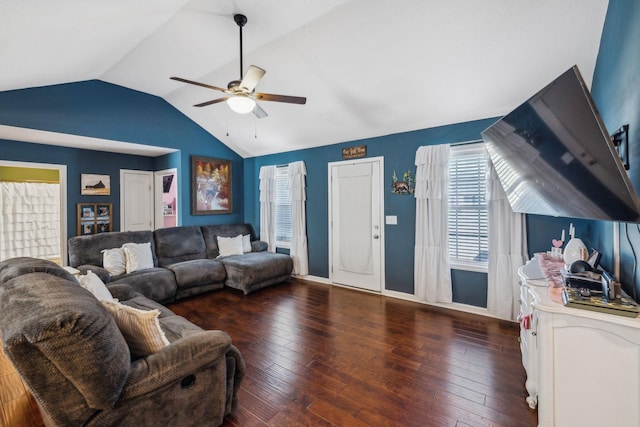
(471, 309)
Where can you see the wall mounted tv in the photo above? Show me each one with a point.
(554, 156)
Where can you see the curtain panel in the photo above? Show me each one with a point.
(507, 249)
(268, 206)
(29, 220)
(298, 197)
(432, 271)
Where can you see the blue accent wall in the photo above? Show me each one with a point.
(616, 92)
(103, 110)
(399, 152)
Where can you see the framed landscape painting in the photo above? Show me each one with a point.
(95, 185)
(210, 186)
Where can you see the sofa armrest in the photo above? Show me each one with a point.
(181, 358)
(101, 272)
(259, 246)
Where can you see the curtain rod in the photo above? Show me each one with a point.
(474, 141)
(31, 181)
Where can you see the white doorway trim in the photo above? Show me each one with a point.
(158, 208)
(62, 174)
(380, 161)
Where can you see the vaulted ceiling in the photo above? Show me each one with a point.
(368, 68)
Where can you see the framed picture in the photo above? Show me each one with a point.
(210, 186)
(104, 211)
(88, 212)
(95, 185)
(86, 228)
(94, 218)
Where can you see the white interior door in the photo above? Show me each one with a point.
(356, 230)
(136, 200)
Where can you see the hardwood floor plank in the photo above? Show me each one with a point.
(319, 355)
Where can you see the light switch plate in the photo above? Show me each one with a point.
(391, 220)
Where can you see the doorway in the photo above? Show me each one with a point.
(356, 231)
(166, 198)
(33, 204)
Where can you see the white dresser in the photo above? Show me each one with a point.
(583, 367)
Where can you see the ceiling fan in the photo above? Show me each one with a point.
(241, 93)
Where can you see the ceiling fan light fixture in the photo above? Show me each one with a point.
(241, 104)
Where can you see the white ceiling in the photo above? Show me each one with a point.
(368, 68)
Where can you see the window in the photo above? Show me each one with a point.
(468, 224)
(283, 208)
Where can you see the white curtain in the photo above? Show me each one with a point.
(29, 220)
(432, 272)
(297, 198)
(507, 249)
(268, 206)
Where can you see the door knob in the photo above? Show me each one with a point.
(375, 236)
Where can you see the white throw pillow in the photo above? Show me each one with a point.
(113, 261)
(138, 256)
(230, 245)
(94, 284)
(74, 271)
(246, 243)
(140, 328)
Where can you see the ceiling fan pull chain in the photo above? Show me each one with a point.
(255, 127)
(227, 122)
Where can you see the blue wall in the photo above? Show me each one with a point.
(616, 92)
(102, 110)
(399, 152)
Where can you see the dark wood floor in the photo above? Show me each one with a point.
(323, 355)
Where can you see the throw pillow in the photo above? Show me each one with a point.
(140, 328)
(113, 261)
(93, 284)
(138, 256)
(246, 243)
(230, 245)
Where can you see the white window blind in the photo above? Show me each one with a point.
(283, 208)
(468, 224)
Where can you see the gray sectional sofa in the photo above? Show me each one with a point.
(185, 261)
(75, 359)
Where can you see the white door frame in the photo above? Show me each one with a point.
(122, 201)
(157, 180)
(380, 160)
(62, 174)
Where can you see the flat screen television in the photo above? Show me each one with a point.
(554, 156)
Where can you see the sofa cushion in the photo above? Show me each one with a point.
(159, 284)
(140, 328)
(228, 246)
(15, 267)
(198, 272)
(93, 284)
(88, 249)
(114, 261)
(210, 234)
(138, 256)
(254, 270)
(176, 244)
(67, 339)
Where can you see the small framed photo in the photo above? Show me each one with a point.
(104, 211)
(104, 227)
(87, 228)
(87, 212)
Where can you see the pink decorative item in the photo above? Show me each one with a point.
(557, 243)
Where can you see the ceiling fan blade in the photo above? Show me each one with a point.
(252, 77)
(280, 98)
(259, 112)
(213, 101)
(191, 82)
